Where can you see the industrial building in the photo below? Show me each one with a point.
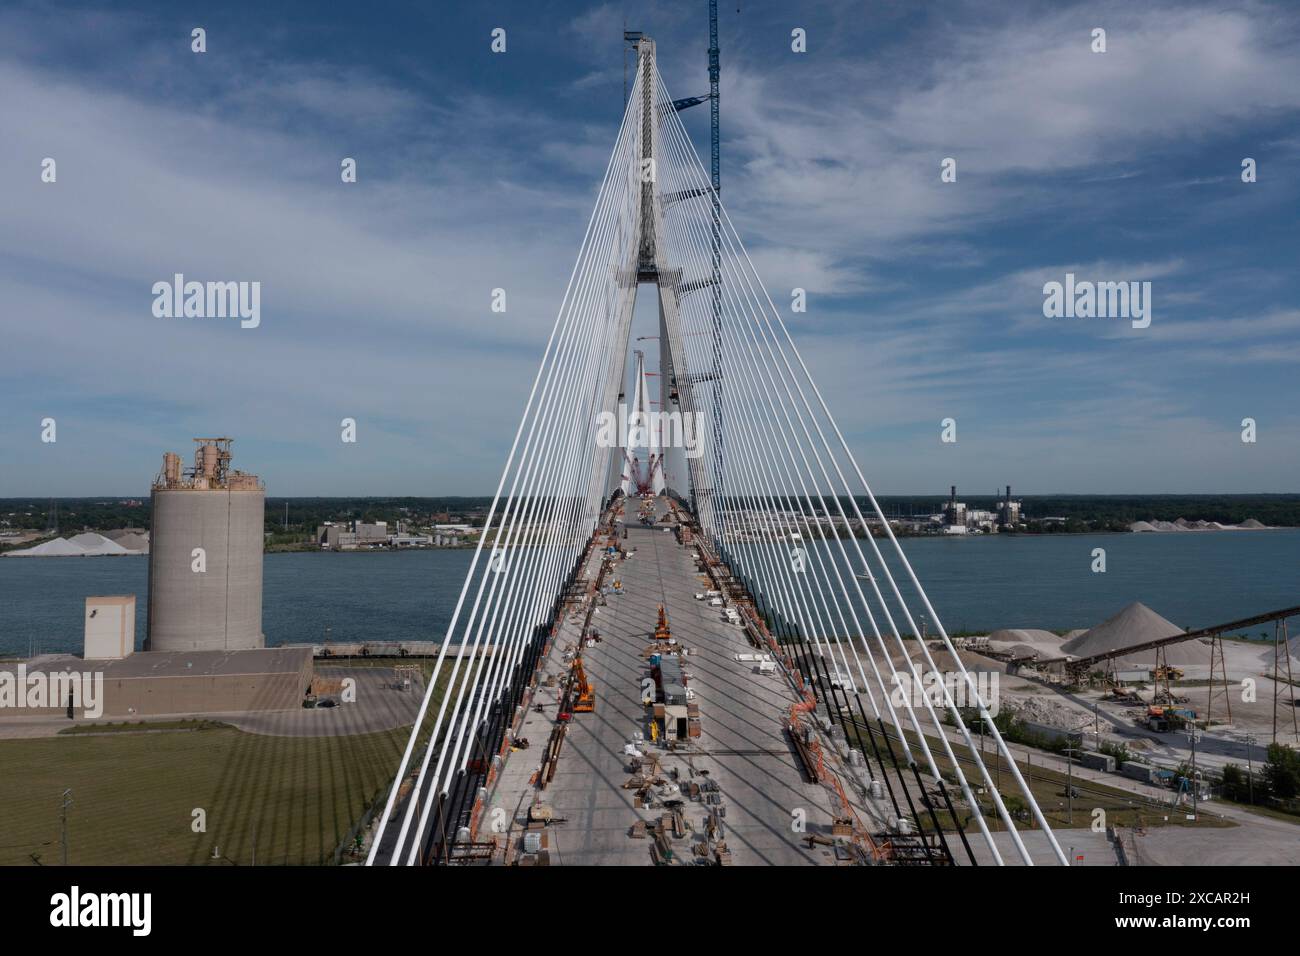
(1008, 511)
(185, 683)
(954, 514)
(205, 560)
(360, 534)
(152, 683)
(349, 536)
(957, 518)
(207, 682)
(204, 650)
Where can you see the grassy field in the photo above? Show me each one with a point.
(285, 800)
(135, 785)
(141, 726)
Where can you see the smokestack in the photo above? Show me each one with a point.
(952, 494)
(1008, 492)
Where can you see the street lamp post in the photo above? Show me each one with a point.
(67, 802)
(1069, 780)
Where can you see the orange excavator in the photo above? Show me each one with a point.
(662, 633)
(586, 702)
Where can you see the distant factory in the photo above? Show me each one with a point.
(354, 535)
(956, 518)
(953, 517)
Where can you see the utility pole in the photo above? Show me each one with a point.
(1192, 737)
(67, 802)
(1069, 784)
(1250, 767)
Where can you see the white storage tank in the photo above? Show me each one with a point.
(213, 600)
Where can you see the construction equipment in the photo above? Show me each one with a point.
(662, 631)
(543, 813)
(586, 701)
(1166, 719)
(845, 825)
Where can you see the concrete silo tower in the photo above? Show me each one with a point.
(210, 601)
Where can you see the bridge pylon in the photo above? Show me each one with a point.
(782, 511)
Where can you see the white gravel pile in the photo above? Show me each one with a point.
(1137, 624)
(1051, 713)
(1045, 642)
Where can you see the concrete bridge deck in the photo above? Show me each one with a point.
(744, 746)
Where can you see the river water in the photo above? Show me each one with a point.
(976, 584)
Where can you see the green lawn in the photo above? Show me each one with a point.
(135, 785)
(292, 800)
(143, 726)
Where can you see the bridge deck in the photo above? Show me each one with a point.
(744, 746)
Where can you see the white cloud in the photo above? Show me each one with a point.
(847, 157)
(375, 295)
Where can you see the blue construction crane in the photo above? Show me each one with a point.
(715, 170)
(715, 163)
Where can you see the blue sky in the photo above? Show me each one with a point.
(478, 171)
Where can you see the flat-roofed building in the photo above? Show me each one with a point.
(183, 682)
(110, 627)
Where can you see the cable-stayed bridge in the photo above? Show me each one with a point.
(771, 518)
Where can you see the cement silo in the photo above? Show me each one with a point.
(220, 511)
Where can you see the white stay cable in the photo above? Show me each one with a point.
(730, 238)
(614, 170)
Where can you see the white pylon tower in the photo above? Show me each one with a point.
(643, 456)
(675, 400)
